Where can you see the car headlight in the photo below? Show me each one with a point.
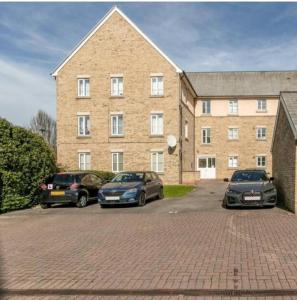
(130, 192)
(233, 191)
(273, 190)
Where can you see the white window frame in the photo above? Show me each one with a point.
(117, 117)
(261, 156)
(206, 107)
(207, 130)
(260, 105)
(115, 159)
(231, 161)
(159, 90)
(157, 126)
(231, 135)
(186, 130)
(85, 92)
(233, 107)
(83, 156)
(259, 129)
(158, 168)
(119, 84)
(84, 118)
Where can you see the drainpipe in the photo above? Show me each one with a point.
(180, 133)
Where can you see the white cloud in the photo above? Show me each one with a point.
(24, 89)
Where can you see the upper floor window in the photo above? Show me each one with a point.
(233, 107)
(206, 108)
(117, 161)
(83, 85)
(117, 124)
(261, 133)
(157, 124)
(261, 161)
(157, 161)
(83, 125)
(206, 138)
(233, 133)
(117, 86)
(84, 161)
(186, 130)
(157, 86)
(262, 105)
(233, 161)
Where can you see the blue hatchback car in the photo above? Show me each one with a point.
(131, 187)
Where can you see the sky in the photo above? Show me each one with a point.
(36, 37)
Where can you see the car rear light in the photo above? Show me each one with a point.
(74, 186)
(43, 186)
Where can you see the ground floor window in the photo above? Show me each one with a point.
(117, 161)
(84, 159)
(261, 161)
(233, 161)
(157, 162)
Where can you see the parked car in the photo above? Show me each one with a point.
(131, 187)
(71, 187)
(250, 188)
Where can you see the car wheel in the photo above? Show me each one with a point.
(45, 205)
(161, 193)
(82, 201)
(141, 201)
(102, 206)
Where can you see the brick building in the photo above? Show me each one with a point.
(119, 97)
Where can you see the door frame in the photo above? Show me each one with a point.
(207, 156)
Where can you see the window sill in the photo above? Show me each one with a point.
(116, 97)
(83, 137)
(156, 96)
(232, 168)
(156, 135)
(232, 140)
(206, 144)
(117, 136)
(205, 115)
(233, 115)
(261, 140)
(261, 111)
(83, 97)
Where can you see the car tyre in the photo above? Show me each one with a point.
(141, 200)
(82, 201)
(45, 205)
(161, 193)
(103, 205)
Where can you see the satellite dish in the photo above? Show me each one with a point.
(171, 141)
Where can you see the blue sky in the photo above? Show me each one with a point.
(35, 37)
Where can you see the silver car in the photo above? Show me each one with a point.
(250, 188)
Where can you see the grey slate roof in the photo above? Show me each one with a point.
(289, 101)
(265, 83)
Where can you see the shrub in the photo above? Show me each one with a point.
(25, 160)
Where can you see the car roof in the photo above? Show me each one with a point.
(251, 170)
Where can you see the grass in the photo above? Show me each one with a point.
(171, 191)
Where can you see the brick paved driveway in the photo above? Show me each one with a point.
(189, 246)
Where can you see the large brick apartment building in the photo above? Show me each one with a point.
(119, 97)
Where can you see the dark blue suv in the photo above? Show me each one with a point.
(131, 187)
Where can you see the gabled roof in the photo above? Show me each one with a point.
(98, 25)
(261, 83)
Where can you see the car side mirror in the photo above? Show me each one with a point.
(148, 180)
(271, 178)
(226, 179)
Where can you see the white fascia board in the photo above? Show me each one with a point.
(97, 26)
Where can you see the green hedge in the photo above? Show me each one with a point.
(25, 160)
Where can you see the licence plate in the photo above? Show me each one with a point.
(112, 198)
(57, 193)
(251, 198)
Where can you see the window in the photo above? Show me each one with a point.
(117, 124)
(83, 87)
(233, 161)
(261, 161)
(84, 159)
(117, 161)
(261, 105)
(157, 86)
(206, 107)
(117, 86)
(83, 125)
(186, 130)
(233, 107)
(261, 133)
(157, 162)
(156, 124)
(206, 136)
(233, 133)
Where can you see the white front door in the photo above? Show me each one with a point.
(207, 167)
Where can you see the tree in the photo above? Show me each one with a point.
(25, 161)
(44, 125)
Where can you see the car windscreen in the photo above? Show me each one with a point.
(65, 179)
(128, 177)
(249, 176)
